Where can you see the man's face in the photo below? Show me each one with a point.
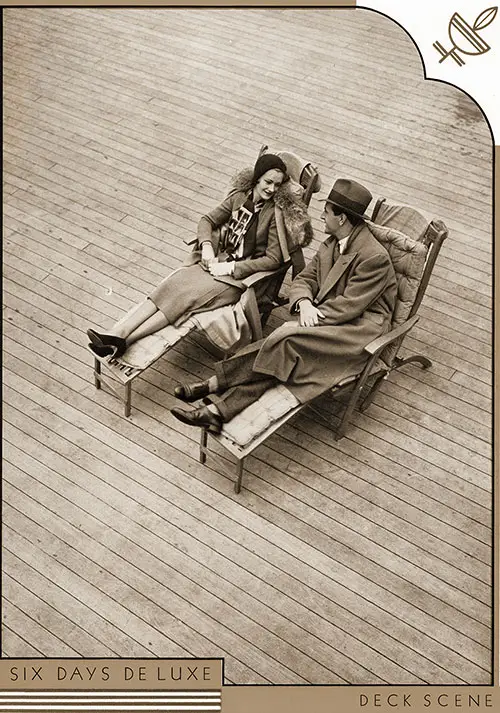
(332, 221)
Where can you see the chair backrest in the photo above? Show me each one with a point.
(416, 227)
(413, 243)
(300, 171)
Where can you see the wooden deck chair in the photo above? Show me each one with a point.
(413, 244)
(227, 327)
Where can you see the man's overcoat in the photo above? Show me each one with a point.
(356, 295)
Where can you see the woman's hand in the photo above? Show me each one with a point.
(207, 254)
(217, 269)
(309, 314)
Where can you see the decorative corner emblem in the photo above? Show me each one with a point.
(465, 38)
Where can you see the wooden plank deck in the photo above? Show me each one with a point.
(363, 561)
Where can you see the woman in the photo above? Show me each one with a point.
(235, 240)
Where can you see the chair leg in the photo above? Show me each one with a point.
(203, 445)
(239, 473)
(97, 373)
(340, 433)
(423, 361)
(203, 458)
(372, 393)
(128, 399)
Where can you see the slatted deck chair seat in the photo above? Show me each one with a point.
(225, 328)
(413, 254)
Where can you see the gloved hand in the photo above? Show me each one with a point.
(217, 269)
(207, 254)
(309, 315)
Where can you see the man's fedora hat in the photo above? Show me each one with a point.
(350, 196)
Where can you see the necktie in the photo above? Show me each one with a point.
(336, 251)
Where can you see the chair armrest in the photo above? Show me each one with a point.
(257, 277)
(380, 343)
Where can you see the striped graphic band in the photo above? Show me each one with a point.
(184, 701)
(458, 22)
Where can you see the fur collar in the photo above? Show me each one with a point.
(287, 198)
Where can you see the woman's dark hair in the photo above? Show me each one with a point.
(353, 219)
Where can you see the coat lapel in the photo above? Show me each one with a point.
(334, 273)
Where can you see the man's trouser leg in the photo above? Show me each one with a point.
(238, 369)
(237, 398)
(240, 384)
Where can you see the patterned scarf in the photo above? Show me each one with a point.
(238, 227)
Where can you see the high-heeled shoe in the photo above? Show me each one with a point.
(108, 340)
(192, 392)
(101, 351)
(201, 417)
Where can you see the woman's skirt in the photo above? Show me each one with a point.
(190, 290)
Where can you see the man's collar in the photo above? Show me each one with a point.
(343, 242)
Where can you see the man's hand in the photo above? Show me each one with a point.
(309, 314)
(207, 254)
(217, 269)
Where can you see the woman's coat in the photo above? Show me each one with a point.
(192, 289)
(267, 246)
(284, 226)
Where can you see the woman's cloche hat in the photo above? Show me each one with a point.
(350, 196)
(266, 163)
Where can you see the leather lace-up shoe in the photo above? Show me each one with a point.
(192, 392)
(201, 417)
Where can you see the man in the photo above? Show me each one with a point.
(344, 299)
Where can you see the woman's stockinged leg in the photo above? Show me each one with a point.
(143, 320)
(139, 315)
(150, 326)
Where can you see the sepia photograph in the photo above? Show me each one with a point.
(247, 346)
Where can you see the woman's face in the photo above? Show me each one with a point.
(267, 185)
